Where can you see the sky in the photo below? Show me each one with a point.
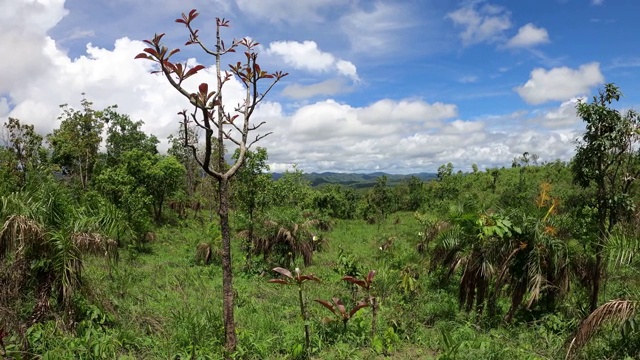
(400, 86)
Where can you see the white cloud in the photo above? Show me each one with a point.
(481, 22)
(307, 56)
(389, 134)
(565, 116)
(23, 28)
(529, 35)
(324, 88)
(468, 79)
(379, 29)
(287, 11)
(348, 69)
(560, 84)
(597, 2)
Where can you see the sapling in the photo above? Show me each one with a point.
(366, 284)
(339, 310)
(299, 280)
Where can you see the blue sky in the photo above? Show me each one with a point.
(390, 85)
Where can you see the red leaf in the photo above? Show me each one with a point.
(283, 271)
(327, 304)
(340, 306)
(181, 21)
(357, 308)
(143, 56)
(356, 281)
(303, 277)
(193, 70)
(157, 38)
(151, 51)
(169, 65)
(173, 52)
(193, 14)
(204, 89)
(279, 281)
(371, 275)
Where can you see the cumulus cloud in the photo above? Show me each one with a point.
(560, 84)
(23, 29)
(324, 88)
(307, 56)
(529, 35)
(565, 116)
(481, 22)
(43, 76)
(395, 135)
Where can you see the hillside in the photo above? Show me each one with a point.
(358, 181)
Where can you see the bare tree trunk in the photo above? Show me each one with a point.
(227, 270)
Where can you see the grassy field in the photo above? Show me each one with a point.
(159, 304)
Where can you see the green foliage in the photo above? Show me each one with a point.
(76, 142)
(125, 135)
(607, 158)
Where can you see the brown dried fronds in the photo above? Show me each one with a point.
(205, 254)
(19, 233)
(95, 244)
(288, 242)
(617, 311)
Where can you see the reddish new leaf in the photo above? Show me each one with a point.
(143, 56)
(279, 281)
(193, 70)
(204, 89)
(328, 305)
(157, 38)
(303, 277)
(370, 277)
(357, 308)
(151, 51)
(283, 271)
(169, 65)
(193, 14)
(340, 306)
(356, 281)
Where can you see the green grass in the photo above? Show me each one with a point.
(160, 305)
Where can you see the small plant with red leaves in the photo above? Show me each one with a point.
(298, 279)
(340, 311)
(366, 284)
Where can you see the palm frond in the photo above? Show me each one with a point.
(95, 244)
(66, 264)
(19, 233)
(622, 248)
(617, 311)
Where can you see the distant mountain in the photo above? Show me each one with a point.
(357, 181)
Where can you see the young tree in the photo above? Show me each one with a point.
(123, 134)
(251, 188)
(607, 158)
(381, 199)
(25, 147)
(183, 154)
(219, 124)
(76, 142)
